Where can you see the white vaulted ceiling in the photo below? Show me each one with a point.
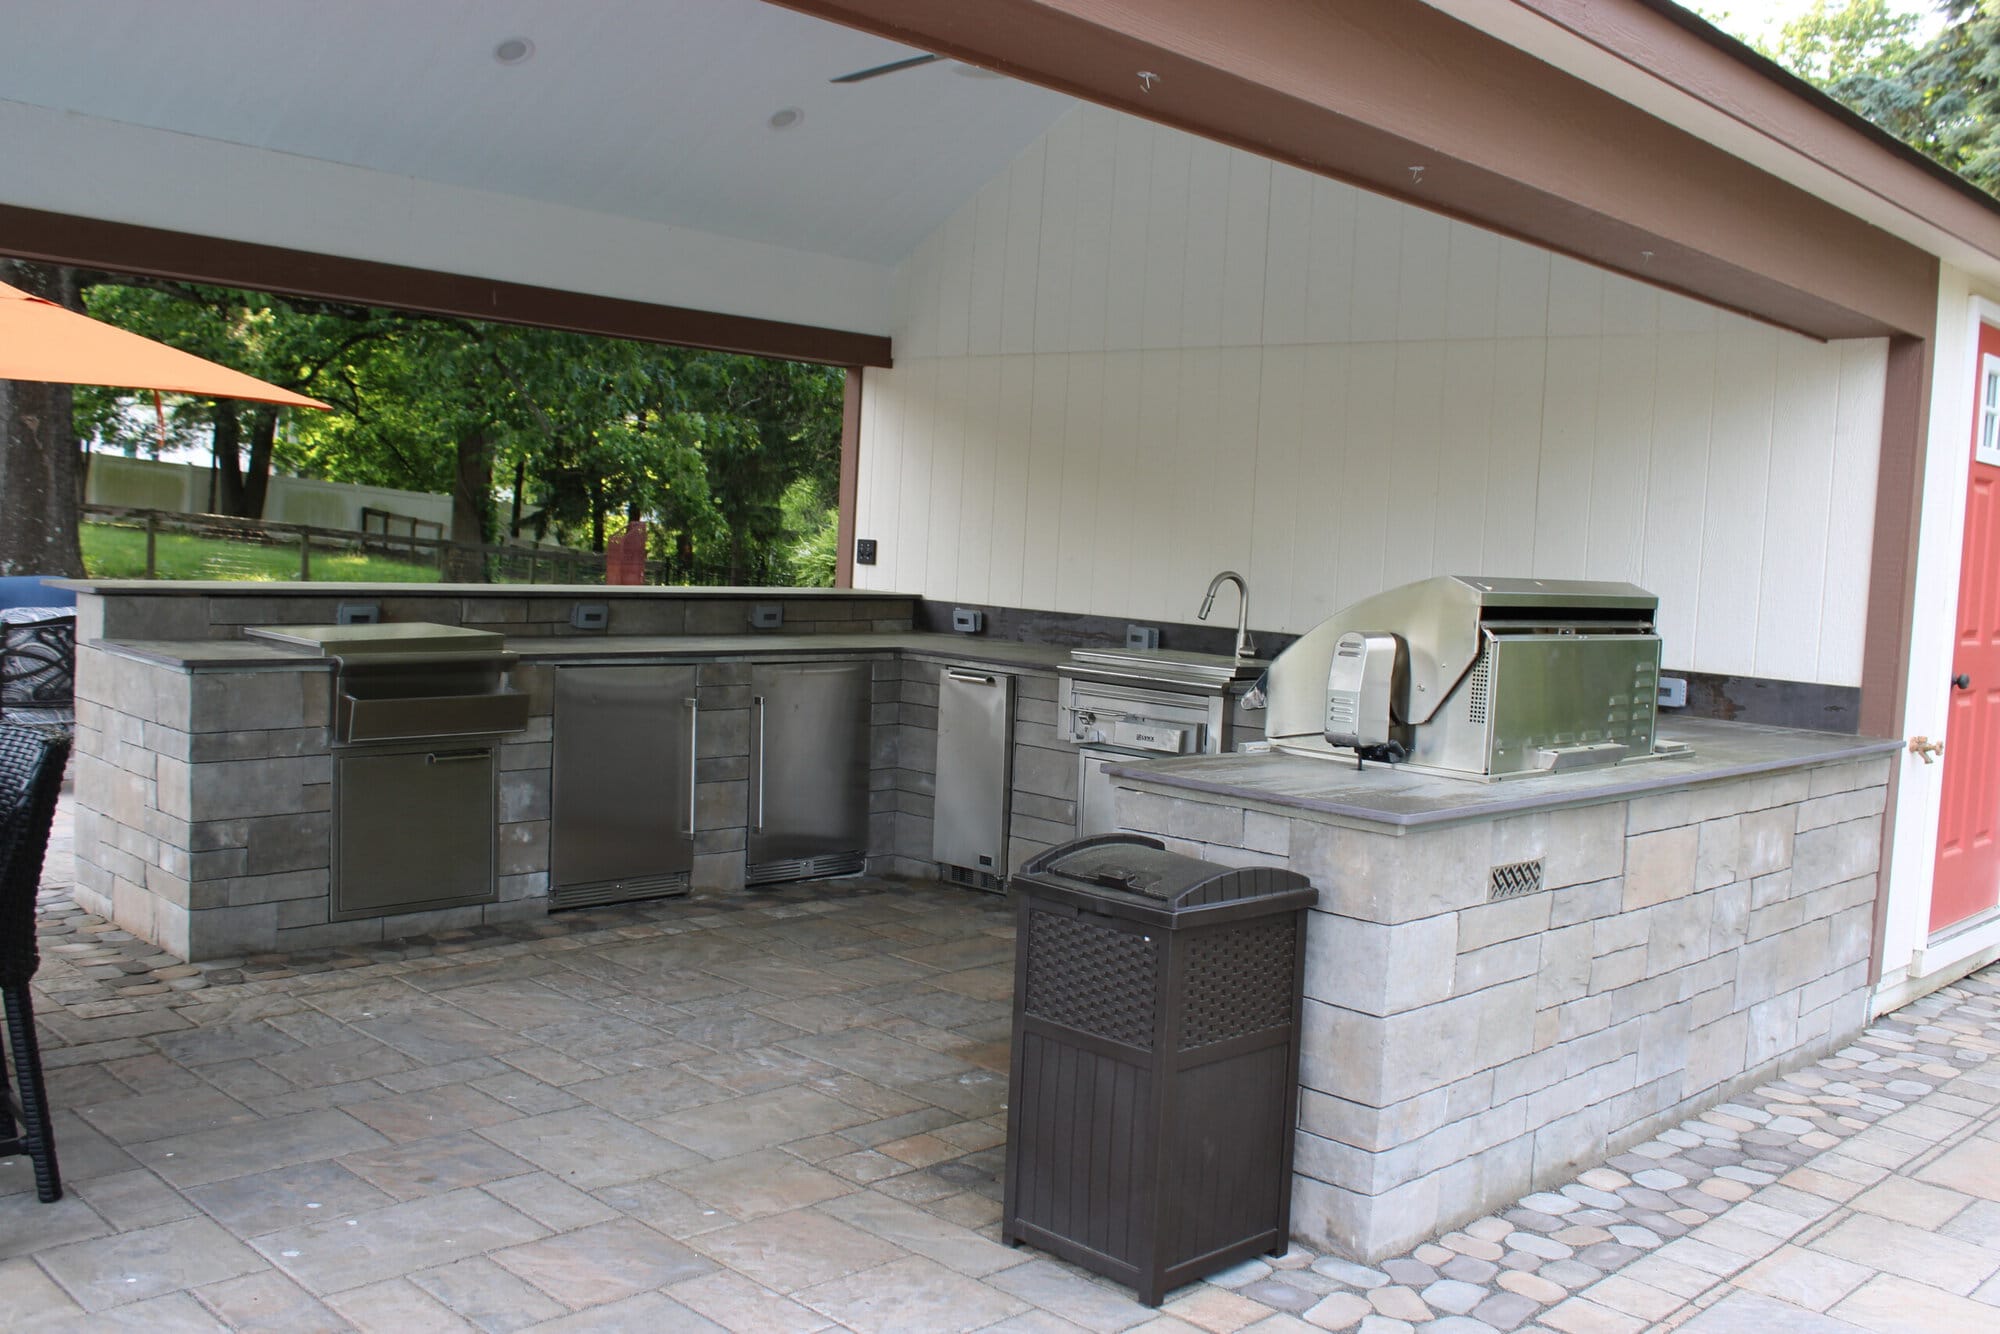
(652, 110)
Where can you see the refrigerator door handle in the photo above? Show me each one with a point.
(694, 755)
(758, 822)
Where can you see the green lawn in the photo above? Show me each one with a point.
(113, 552)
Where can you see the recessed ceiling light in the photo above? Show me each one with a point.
(784, 118)
(513, 50)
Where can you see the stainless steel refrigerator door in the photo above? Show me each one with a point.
(974, 769)
(809, 757)
(622, 809)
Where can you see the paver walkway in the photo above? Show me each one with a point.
(783, 1111)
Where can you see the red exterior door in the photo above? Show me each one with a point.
(1967, 882)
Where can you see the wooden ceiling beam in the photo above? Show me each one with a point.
(60, 238)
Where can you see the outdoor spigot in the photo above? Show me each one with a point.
(1244, 647)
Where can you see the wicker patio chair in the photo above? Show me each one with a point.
(31, 772)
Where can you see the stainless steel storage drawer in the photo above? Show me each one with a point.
(413, 830)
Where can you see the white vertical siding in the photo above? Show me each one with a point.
(1137, 357)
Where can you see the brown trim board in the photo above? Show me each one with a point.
(59, 238)
(1369, 90)
(1892, 582)
(850, 475)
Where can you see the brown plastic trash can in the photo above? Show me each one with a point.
(1155, 1062)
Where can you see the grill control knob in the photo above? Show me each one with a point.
(1963, 681)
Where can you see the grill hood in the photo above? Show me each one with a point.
(1477, 675)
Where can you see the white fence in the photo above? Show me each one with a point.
(178, 487)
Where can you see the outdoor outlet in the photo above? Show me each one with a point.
(966, 620)
(766, 616)
(590, 616)
(358, 613)
(864, 551)
(1673, 692)
(1142, 636)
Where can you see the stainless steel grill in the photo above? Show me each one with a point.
(1476, 677)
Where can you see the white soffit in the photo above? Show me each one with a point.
(653, 110)
(1547, 41)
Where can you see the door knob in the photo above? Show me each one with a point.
(1963, 681)
(1927, 748)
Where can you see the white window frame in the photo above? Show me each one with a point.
(1986, 444)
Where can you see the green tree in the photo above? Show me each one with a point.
(1942, 97)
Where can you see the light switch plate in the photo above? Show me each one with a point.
(1673, 692)
(590, 616)
(766, 616)
(358, 613)
(968, 620)
(1142, 636)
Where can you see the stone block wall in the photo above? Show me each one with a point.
(1042, 802)
(204, 813)
(205, 801)
(1461, 1050)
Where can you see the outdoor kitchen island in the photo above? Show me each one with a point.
(1507, 980)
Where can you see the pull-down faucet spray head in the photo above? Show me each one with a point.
(1244, 647)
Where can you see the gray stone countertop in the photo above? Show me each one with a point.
(252, 588)
(226, 654)
(1385, 795)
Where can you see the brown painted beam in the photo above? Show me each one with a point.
(1892, 580)
(1892, 571)
(850, 475)
(1369, 90)
(58, 238)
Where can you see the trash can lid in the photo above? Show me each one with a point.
(1133, 864)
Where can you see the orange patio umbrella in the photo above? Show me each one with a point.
(40, 340)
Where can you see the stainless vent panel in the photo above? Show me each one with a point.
(806, 868)
(618, 891)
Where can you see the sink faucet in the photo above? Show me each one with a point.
(1244, 647)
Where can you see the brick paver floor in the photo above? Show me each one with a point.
(783, 1110)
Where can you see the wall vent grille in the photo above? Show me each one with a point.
(1513, 879)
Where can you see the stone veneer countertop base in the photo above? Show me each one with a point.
(1386, 795)
(209, 588)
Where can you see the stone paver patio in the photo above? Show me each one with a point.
(784, 1110)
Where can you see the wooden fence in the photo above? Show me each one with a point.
(486, 564)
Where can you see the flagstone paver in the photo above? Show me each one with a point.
(784, 1110)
